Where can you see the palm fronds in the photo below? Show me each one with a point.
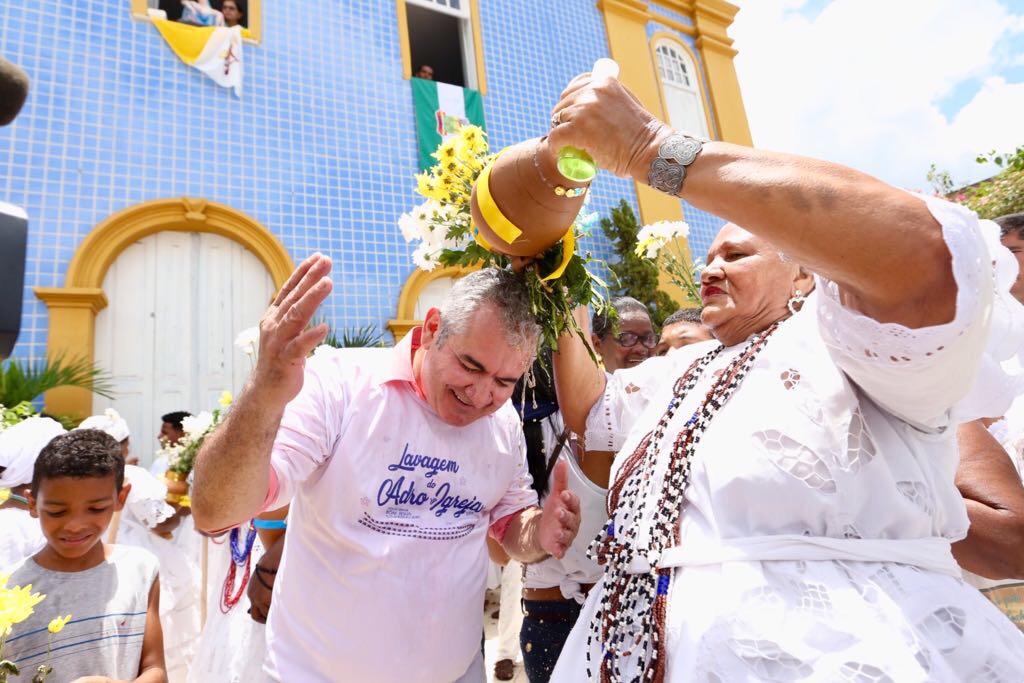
(27, 380)
(351, 337)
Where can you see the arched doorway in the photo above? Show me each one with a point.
(177, 301)
(192, 225)
(422, 291)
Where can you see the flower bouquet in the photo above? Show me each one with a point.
(558, 279)
(181, 456)
(651, 243)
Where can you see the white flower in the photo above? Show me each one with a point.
(426, 222)
(425, 257)
(411, 226)
(651, 238)
(434, 236)
(248, 341)
(195, 426)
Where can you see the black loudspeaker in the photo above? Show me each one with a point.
(13, 239)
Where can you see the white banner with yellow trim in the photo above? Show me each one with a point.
(214, 50)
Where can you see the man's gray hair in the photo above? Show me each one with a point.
(504, 290)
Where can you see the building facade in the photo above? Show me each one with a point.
(164, 210)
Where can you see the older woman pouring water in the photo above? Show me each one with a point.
(783, 498)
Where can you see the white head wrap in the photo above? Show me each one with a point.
(110, 422)
(20, 445)
(146, 498)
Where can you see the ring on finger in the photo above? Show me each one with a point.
(556, 118)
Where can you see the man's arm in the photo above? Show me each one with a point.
(992, 490)
(232, 469)
(537, 532)
(261, 584)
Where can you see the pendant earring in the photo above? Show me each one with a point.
(796, 302)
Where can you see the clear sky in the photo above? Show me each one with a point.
(886, 86)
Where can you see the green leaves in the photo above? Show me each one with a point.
(636, 276)
(27, 380)
(355, 337)
(1000, 195)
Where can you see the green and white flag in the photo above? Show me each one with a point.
(440, 109)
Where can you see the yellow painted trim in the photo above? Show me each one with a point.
(626, 28)
(254, 20)
(403, 38)
(685, 29)
(253, 33)
(74, 306)
(404, 320)
(709, 117)
(712, 19)
(478, 46)
(402, 17)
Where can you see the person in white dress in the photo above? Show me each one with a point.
(783, 499)
(20, 533)
(232, 646)
(146, 511)
(555, 589)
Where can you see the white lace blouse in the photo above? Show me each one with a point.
(815, 534)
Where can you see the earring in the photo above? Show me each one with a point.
(796, 302)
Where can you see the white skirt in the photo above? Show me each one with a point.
(820, 620)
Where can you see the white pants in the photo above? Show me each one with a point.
(510, 615)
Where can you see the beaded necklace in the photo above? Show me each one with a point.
(629, 623)
(239, 555)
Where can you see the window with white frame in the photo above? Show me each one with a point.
(441, 37)
(681, 86)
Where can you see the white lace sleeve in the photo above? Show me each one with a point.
(925, 376)
(626, 395)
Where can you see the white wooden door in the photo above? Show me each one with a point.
(177, 301)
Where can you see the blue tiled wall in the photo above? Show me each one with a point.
(320, 148)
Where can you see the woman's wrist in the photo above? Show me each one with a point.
(647, 150)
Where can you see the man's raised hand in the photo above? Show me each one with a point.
(561, 517)
(285, 336)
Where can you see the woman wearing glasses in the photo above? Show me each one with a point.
(555, 589)
(635, 340)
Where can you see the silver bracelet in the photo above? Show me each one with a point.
(668, 171)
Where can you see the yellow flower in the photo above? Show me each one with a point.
(57, 625)
(4, 495)
(16, 605)
(184, 501)
(225, 399)
(426, 185)
(446, 151)
(472, 142)
(446, 181)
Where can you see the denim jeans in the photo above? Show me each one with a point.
(546, 625)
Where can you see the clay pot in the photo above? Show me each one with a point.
(527, 197)
(176, 486)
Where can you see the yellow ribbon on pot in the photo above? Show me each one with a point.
(568, 249)
(502, 226)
